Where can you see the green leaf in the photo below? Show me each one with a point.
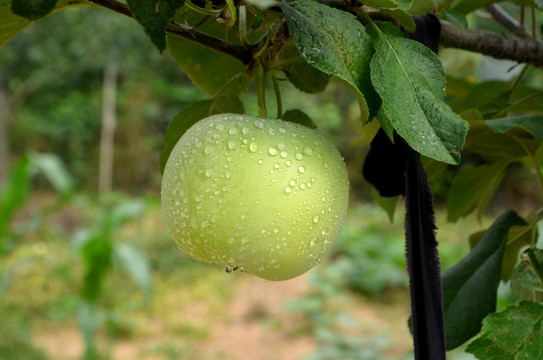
(136, 265)
(470, 287)
(409, 78)
(208, 69)
(154, 16)
(14, 193)
(484, 141)
(32, 9)
(515, 333)
(474, 188)
(402, 17)
(97, 257)
(397, 10)
(520, 237)
(467, 6)
(11, 23)
(527, 281)
(334, 42)
(457, 19)
(388, 204)
(299, 117)
(480, 95)
(126, 210)
(302, 75)
(191, 115)
(530, 122)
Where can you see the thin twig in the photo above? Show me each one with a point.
(507, 21)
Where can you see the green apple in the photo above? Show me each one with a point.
(264, 196)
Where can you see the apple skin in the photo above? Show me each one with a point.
(264, 196)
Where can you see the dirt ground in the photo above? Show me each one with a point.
(244, 332)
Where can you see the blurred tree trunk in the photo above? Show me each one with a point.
(108, 128)
(5, 114)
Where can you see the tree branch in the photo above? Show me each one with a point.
(240, 52)
(496, 45)
(524, 50)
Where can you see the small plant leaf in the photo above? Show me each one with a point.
(14, 193)
(54, 170)
(154, 16)
(530, 122)
(334, 42)
(474, 188)
(33, 9)
(410, 80)
(96, 254)
(470, 287)
(136, 265)
(191, 115)
(302, 75)
(299, 117)
(515, 333)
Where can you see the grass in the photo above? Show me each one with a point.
(355, 299)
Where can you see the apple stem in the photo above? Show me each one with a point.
(243, 25)
(277, 91)
(260, 77)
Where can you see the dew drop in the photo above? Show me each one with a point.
(259, 124)
(288, 163)
(281, 146)
(245, 131)
(308, 151)
(292, 182)
(272, 151)
(220, 127)
(209, 172)
(302, 186)
(232, 144)
(301, 169)
(299, 156)
(209, 149)
(282, 130)
(260, 162)
(228, 175)
(288, 189)
(276, 165)
(271, 131)
(253, 147)
(284, 154)
(325, 165)
(313, 241)
(233, 131)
